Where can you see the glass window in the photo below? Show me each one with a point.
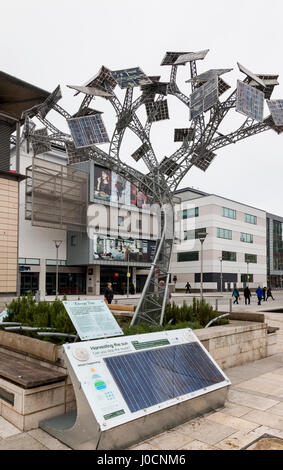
(250, 219)
(229, 256)
(187, 256)
(277, 244)
(247, 238)
(188, 213)
(73, 240)
(250, 258)
(193, 234)
(120, 221)
(52, 262)
(247, 278)
(231, 213)
(224, 233)
(29, 261)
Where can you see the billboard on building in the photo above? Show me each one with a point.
(109, 186)
(114, 249)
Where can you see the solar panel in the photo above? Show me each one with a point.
(204, 98)
(181, 134)
(138, 154)
(90, 90)
(130, 77)
(276, 109)
(103, 79)
(250, 101)
(251, 75)
(222, 86)
(190, 56)
(171, 57)
(41, 147)
(149, 377)
(270, 82)
(269, 121)
(86, 111)
(169, 167)
(202, 159)
(88, 130)
(50, 101)
(157, 87)
(157, 110)
(205, 76)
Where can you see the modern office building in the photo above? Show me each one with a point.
(234, 249)
(104, 232)
(274, 229)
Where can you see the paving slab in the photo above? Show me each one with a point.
(21, 441)
(206, 431)
(232, 421)
(251, 400)
(7, 429)
(170, 440)
(48, 441)
(266, 418)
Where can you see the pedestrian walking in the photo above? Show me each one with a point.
(188, 288)
(269, 294)
(247, 295)
(108, 293)
(236, 294)
(264, 293)
(259, 295)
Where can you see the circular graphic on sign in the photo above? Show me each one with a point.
(81, 354)
(100, 385)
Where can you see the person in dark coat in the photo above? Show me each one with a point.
(108, 293)
(264, 293)
(269, 294)
(188, 287)
(247, 295)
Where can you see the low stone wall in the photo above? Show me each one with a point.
(235, 344)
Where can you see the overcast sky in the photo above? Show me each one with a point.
(66, 41)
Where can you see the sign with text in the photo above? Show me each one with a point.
(92, 319)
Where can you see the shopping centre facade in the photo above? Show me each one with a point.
(243, 245)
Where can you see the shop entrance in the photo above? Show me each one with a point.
(117, 277)
(29, 282)
(68, 283)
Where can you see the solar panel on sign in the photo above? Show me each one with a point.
(88, 130)
(190, 56)
(250, 101)
(130, 77)
(149, 377)
(276, 109)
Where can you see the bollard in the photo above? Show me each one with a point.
(216, 305)
(230, 305)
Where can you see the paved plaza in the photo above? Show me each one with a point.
(254, 406)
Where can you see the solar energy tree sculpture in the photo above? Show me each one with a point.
(198, 141)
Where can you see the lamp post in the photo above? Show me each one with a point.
(202, 237)
(57, 244)
(221, 276)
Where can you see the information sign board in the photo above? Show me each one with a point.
(92, 319)
(127, 378)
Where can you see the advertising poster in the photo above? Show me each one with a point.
(113, 249)
(111, 187)
(120, 190)
(102, 183)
